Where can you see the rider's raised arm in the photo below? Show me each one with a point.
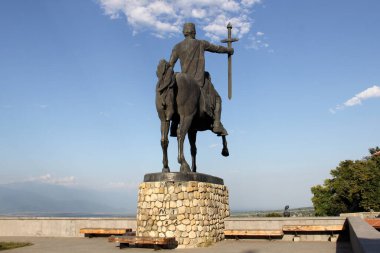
(216, 48)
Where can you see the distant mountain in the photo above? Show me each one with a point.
(294, 212)
(34, 197)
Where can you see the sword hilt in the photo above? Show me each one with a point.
(229, 40)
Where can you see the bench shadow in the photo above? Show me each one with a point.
(269, 238)
(148, 246)
(96, 235)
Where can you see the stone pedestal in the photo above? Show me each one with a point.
(191, 211)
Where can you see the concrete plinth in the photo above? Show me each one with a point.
(191, 211)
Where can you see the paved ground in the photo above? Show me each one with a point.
(101, 245)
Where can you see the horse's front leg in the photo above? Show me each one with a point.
(193, 149)
(164, 144)
(225, 151)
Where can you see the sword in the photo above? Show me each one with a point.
(229, 41)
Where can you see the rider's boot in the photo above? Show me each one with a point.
(218, 126)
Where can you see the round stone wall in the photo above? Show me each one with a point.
(192, 212)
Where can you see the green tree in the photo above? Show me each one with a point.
(273, 215)
(354, 187)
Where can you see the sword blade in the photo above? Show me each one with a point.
(229, 28)
(229, 41)
(229, 77)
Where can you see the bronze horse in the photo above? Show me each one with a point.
(178, 103)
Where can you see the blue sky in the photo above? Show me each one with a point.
(77, 84)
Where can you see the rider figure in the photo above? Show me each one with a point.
(190, 52)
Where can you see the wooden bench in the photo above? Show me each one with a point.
(249, 232)
(90, 232)
(374, 223)
(313, 228)
(156, 242)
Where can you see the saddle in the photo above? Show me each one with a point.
(165, 87)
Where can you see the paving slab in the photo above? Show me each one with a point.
(101, 245)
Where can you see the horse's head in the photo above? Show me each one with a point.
(162, 66)
(164, 91)
(165, 75)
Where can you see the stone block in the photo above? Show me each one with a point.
(192, 235)
(169, 233)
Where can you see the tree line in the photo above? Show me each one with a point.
(354, 187)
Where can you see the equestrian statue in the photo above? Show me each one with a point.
(187, 101)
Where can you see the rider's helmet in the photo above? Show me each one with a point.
(189, 29)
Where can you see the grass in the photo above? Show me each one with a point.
(13, 245)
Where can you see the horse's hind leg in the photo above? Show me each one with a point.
(184, 126)
(225, 151)
(164, 144)
(193, 149)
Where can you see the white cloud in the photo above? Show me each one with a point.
(104, 114)
(372, 92)
(164, 18)
(113, 7)
(198, 13)
(368, 93)
(259, 41)
(214, 145)
(250, 2)
(49, 179)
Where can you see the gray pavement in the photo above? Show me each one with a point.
(101, 245)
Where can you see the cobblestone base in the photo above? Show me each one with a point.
(192, 212)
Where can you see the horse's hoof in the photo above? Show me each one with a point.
(165, 170)
(225, 152)
(185, 168)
